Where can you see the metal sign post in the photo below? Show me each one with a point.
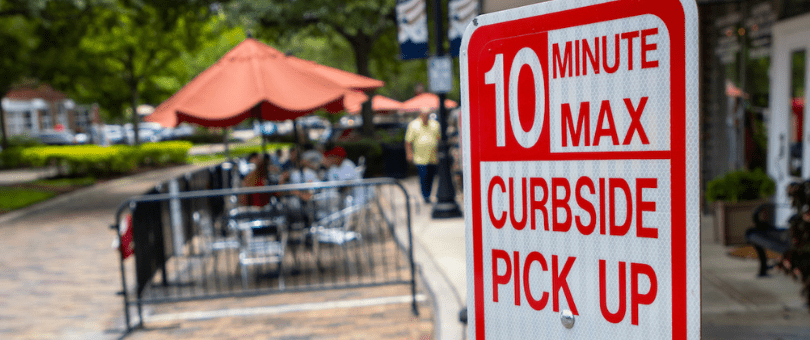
(446, 206)
(580, 149)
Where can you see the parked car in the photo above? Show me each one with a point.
(146, 133)
(284, 128)
(351, 120)
(265, 128)
(81, 138)
(181, 131)
(114, 134)
(64, 137)
(313, 122)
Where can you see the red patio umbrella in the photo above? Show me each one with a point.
(381, 104)
(344, 78)
(253, 80)
(426, 101)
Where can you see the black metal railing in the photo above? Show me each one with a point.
(191, 240)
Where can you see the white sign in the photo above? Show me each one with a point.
(581, 152)
(440, 74)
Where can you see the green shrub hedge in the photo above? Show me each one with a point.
(741, 185)
(100, 160)
(10, 157)
(369, 148)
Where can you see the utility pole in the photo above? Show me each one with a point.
(446, 206)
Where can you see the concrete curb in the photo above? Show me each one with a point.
(446, 300)
(446, 303)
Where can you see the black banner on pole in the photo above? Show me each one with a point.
(460, 13)
(412, 29)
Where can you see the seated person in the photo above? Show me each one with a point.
(343, 169)
(339, 168)
(291, 162)
(299, 207)
(311, 161)
(274, 161)
(248, 164)
(256, 178)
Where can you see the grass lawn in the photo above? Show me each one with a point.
(65, 182)
(22, 195)
(15, 198)
(238, 151)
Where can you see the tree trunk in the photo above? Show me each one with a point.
(133, 88)
(362, 47)
(3, 123)
(135, 117)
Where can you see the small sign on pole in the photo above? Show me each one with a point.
(581, 155)
(440, 74)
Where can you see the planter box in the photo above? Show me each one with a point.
(731, 220)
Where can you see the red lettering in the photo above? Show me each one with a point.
(560, 203)
(613, 184)
(564, 62)
(576, 57)
(602, 206)
(635, 121)
(629, 36)
(616, 49)
(645, 47)
(534, 257)
(586, 205)
(517, 277)
(499, 279)
(539, 205)
(519, 225)
(601, 131)
(637, 299)
(642, 206)
(585, 52)
(615, 196)
(619, 315)
(497, 222)
(558, 281)
(592, 56)
(583, 124)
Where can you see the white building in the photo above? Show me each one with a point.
(28, 111)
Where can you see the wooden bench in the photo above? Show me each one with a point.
(764, 235)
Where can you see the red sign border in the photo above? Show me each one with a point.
(671, 12)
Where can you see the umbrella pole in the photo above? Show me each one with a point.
(298, 146)
(225, 142)
(264, 141)
(257, 116)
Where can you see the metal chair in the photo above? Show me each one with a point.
(261, 242)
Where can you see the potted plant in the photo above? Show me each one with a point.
(734, 196)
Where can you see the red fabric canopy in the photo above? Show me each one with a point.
(427, 102)
(344, 78)
(254, 80)
(378, 104)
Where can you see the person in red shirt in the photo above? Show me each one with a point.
(256, 178)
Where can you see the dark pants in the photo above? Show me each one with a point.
(426, 174)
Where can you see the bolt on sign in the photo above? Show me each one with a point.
(580, 146)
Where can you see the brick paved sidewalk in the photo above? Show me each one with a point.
(59, 279)
(366, 313)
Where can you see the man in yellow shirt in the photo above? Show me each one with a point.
(421, 148)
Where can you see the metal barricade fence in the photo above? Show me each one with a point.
(190, 240)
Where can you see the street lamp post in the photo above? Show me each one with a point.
(446, 206)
